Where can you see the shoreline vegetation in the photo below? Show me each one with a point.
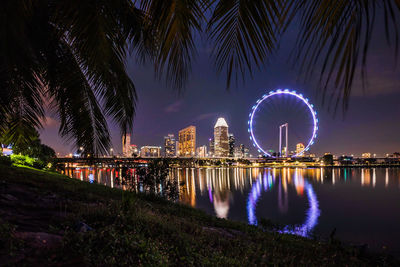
(49, 219)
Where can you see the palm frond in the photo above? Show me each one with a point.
(21, 88)
(99, 42)
(174, 23)
(337, 34)
(244, 33)
(82, 120)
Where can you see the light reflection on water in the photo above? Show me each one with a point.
(362, 204)
(267, 183)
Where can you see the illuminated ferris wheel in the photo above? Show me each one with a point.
(283, 123)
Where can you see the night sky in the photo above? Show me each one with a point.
(371, 123)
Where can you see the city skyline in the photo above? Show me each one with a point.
(130, 146)
(127, 147)
(367, 125)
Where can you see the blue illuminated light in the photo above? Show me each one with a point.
(287, 92)
(312, 213)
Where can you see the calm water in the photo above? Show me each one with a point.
(362, 204)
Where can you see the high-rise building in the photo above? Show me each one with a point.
(169, 146)
(237, 152)
(126, 143)
(299, 149)
(246, 153)
(201, 151)
(221, 145)
(212, 151)
(187, 142)
(150, 151)
(242, 150)
(231, 142)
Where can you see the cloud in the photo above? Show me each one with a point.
(174, 107)
(206, 116)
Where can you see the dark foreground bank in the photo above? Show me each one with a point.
(50, 219)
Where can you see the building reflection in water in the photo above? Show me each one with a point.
(215, 180)
(216, 187)
(386, 177)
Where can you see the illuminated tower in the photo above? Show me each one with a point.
(126, 143)
(201, 151)
(187, 142)
(212, 151)
(169, 146)
(299, 149)
(283, 151)
(221, 142)
(231, 142)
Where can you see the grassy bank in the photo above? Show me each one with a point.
(50, 219)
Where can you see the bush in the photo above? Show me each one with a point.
(22, 160)
(5, 161)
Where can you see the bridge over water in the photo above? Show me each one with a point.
(196, 162)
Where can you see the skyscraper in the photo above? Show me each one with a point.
(246, 153)
(237, 153)
(299, 148)
(177, 149)
(221, 145)
(212, 151)
(242, 150)
(126, 143)
(187, 142)
(201, 151)
(169, 146)
(231, 142)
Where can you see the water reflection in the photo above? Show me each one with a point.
(313, 199)
(300, 184)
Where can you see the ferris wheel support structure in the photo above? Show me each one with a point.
(286, 126)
